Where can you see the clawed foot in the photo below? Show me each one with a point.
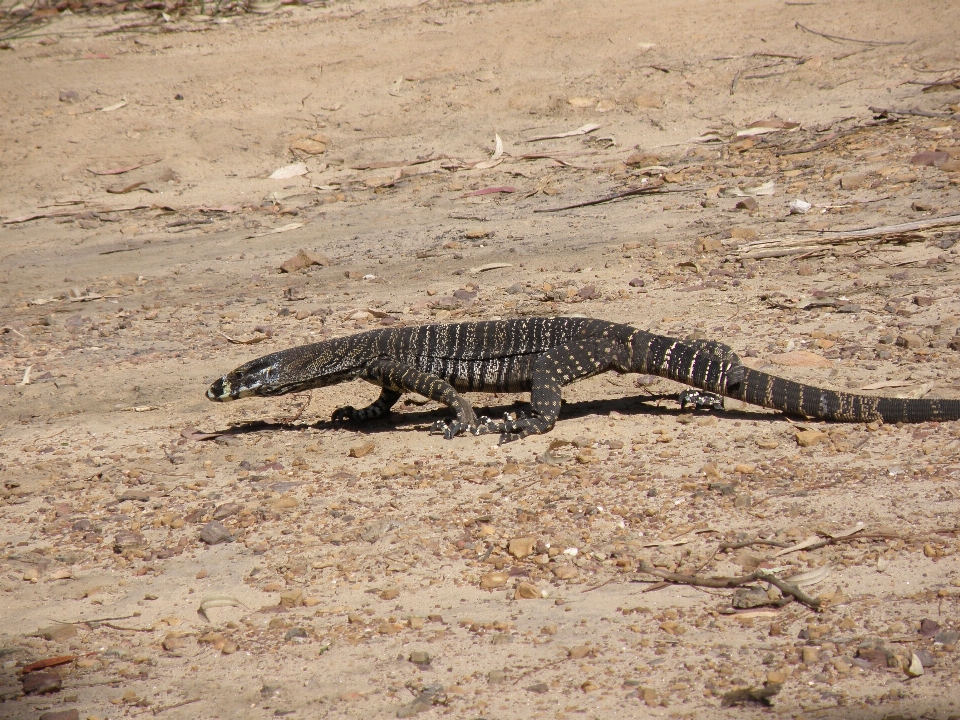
(344, 415)
(512, 427)
(701, 400)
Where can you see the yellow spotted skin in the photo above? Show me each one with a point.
(539, 356)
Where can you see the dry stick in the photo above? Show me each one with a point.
(918, 113)
(886, 233)
(617, 196)
(732, 582)
(751, 543)
(840, 38)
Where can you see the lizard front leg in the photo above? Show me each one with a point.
(396, 378)
(378, 408)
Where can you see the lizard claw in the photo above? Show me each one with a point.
(449, 428)
(700, 400)
(344, 414)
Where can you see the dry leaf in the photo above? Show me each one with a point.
(582, 130)
(495, 159)
(289, 171)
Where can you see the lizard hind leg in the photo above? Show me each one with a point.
(551, 371)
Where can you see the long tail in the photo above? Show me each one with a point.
(760, 388)
(715, 367)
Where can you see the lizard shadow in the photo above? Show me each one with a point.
(414, 420)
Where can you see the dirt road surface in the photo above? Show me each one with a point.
(251, 560)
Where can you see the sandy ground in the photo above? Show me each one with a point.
(351, 586)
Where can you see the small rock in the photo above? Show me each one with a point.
(948, 637)
(922, 300)
(359, 451)
(58, 633)
(496, 677)
(539, 688)
(69, 96)
(744, 468)
(40, 683)
(743, 500)
(294, 633)
(920, 206)
(214, 533)
(173, 642)
(127, 540)
(810, 655)
(515, 289)
(565, 572)
(71, 714)
(951, 166)
(521, 547)
(636, 282)
(910, 341)
(799, 207)
(527, 591)
(748, 203)
(291, 598)
(931, 158)
(420, 657)
(579, 652)
(492, 580)
(226, 510)
(809, 438)
(588, 292)
(301, 260)
(915, 668)
(767, 443)
(642, 159)
(853, 181)
(929, 628)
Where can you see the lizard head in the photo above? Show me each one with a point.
(257, 377)
(293, 370)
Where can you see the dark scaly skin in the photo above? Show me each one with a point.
(539, 356)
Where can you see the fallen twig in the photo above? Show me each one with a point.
(653, 189)
(751, 543)
(902, 232)
(912, 111)
(840, 38)
(732, 582)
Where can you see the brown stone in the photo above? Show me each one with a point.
(527, 591)
(301, 260)
(521, 547)
(492, 580)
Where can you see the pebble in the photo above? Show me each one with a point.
(492, 580)
(910, 341)
(527, 591)
(58, 633)
(496, 677)
(41, 683)
(853, 181)
(127, 540)
(809, 438)
(539, 688)
(748, 203)
(565, 572)
(420, 657)
(521, 547)
(915, 667)
(362, 449)
(71, 714)
(214, 533)
(636, 282)
(226, 510)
